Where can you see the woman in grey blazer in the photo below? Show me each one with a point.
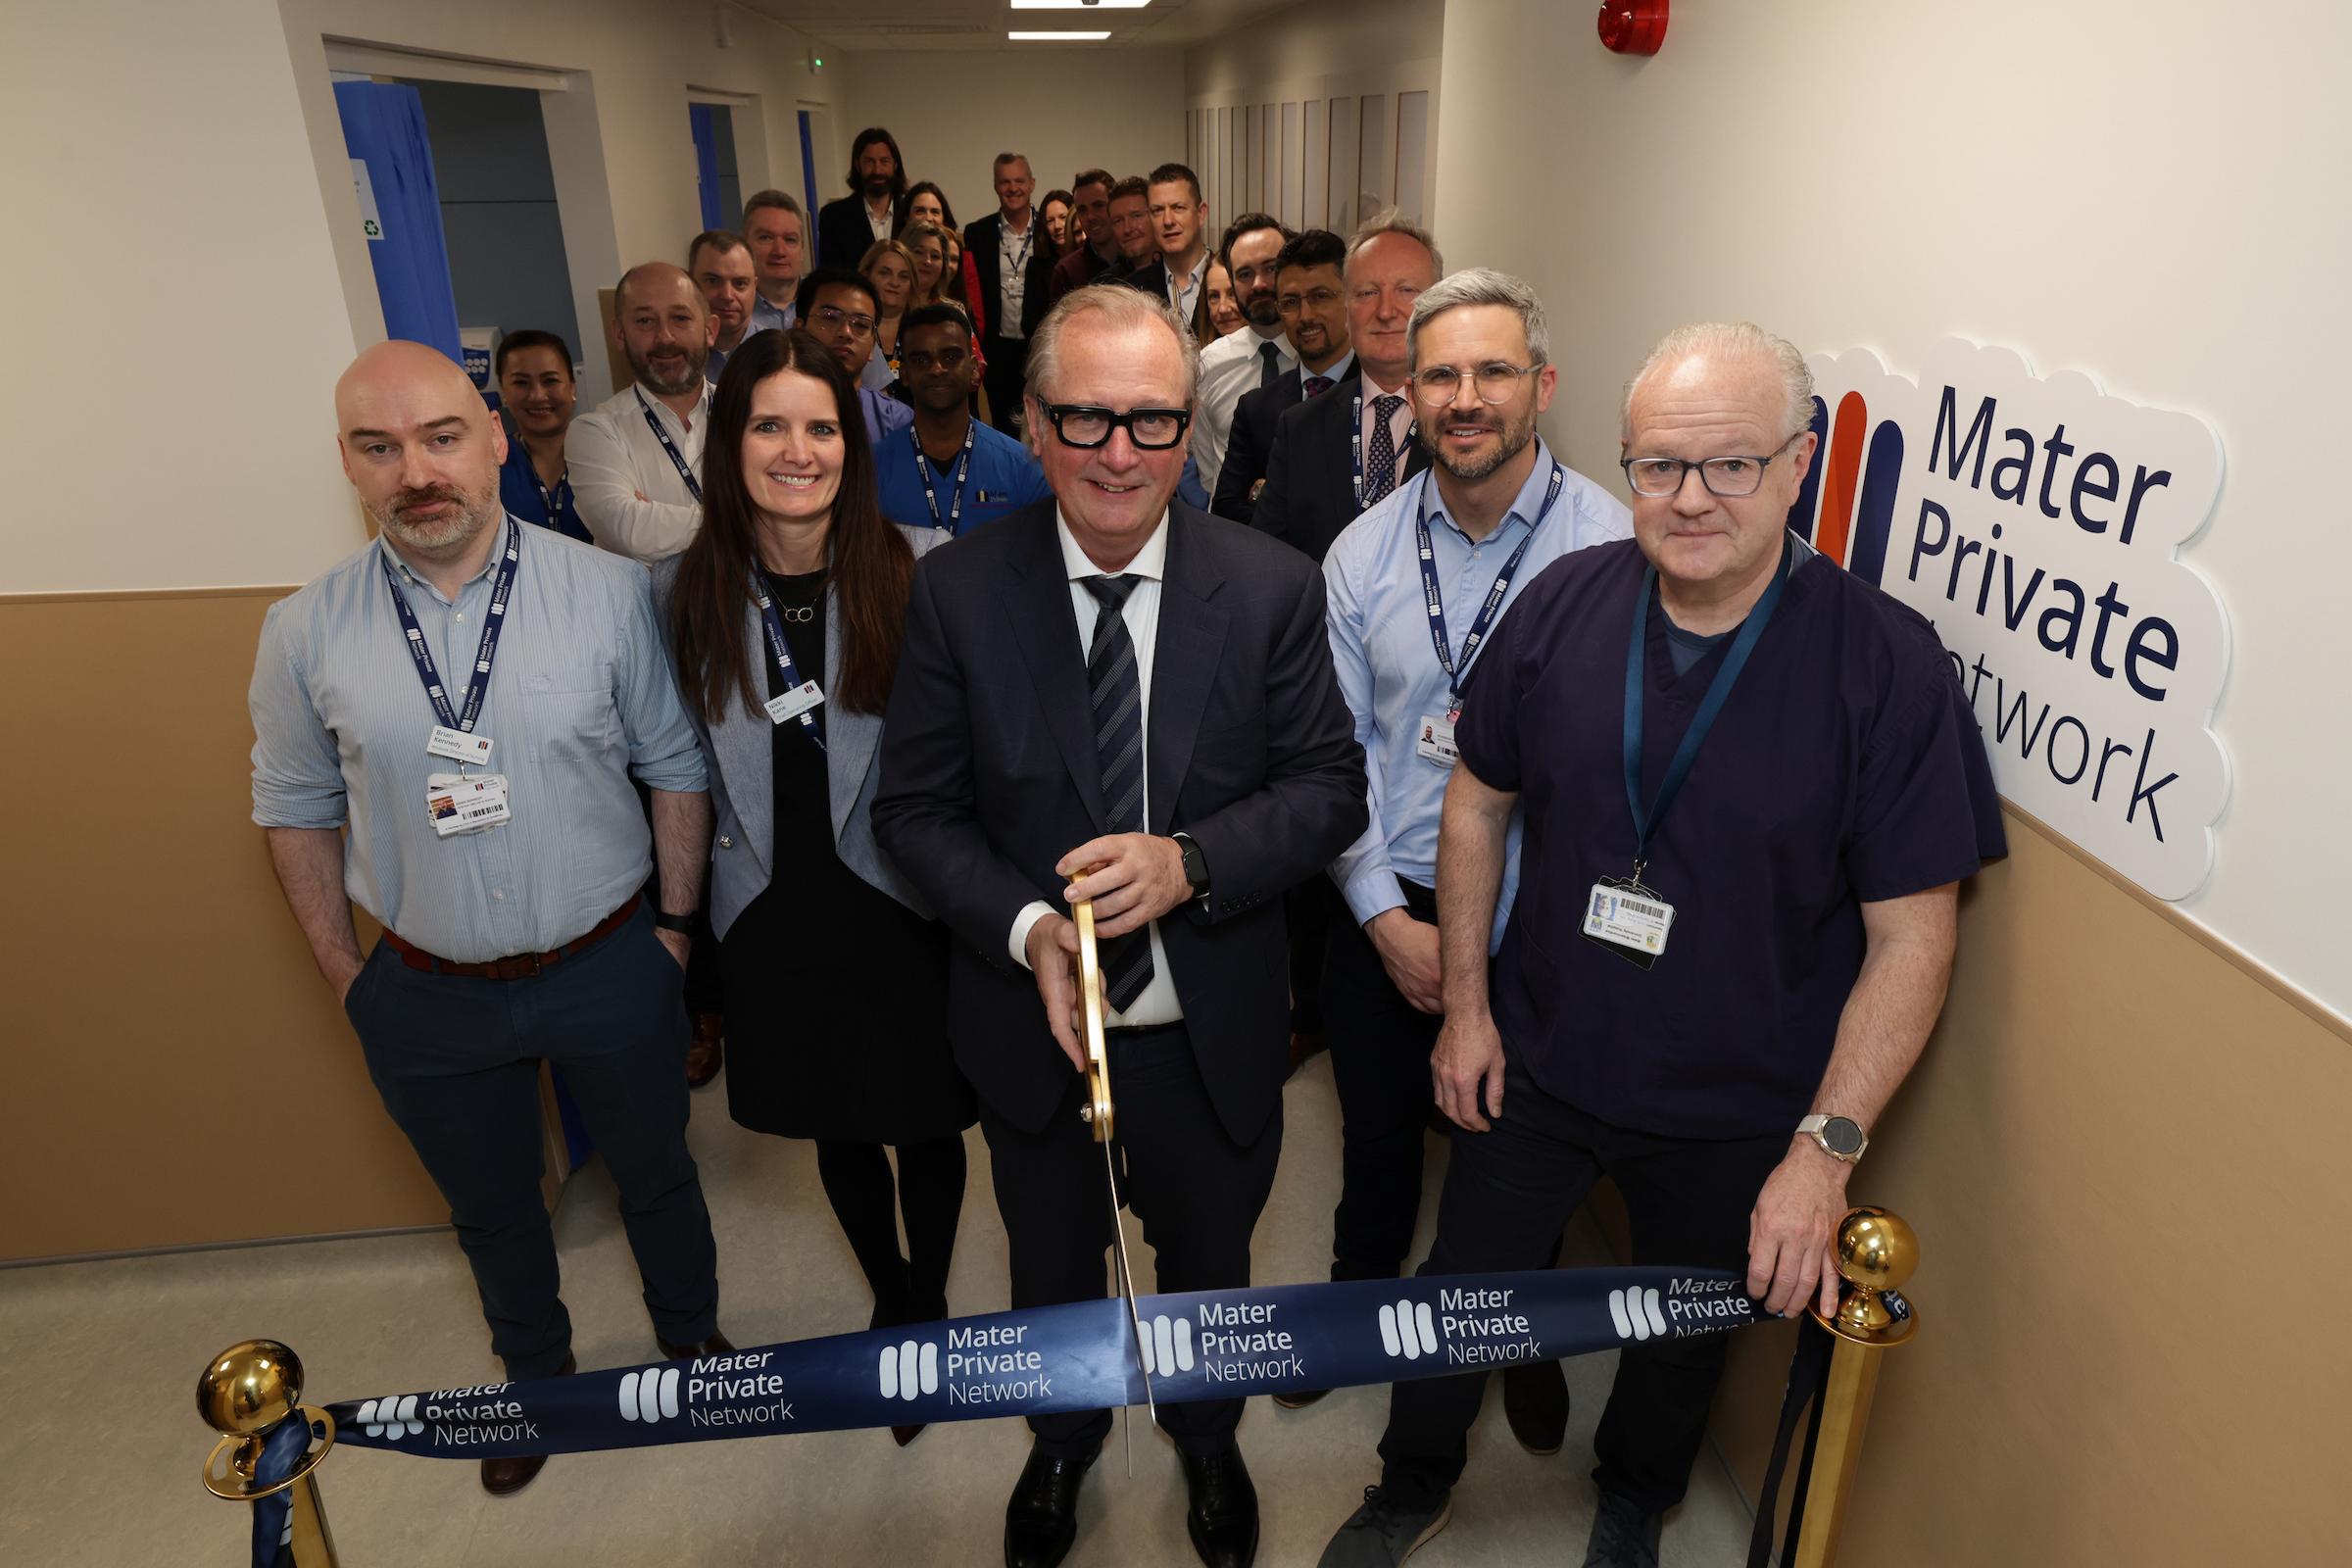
(785, 616)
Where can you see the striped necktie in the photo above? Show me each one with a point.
(1115, 684)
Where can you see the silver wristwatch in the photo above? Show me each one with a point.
(1838, 1138)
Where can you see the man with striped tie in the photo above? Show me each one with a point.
(1111, 695)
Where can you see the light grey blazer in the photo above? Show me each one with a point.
(739, 756)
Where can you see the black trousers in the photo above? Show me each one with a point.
(1508, 1193)
(1311, 910)
(457, 1061)
(1197, 1193)
(1008, 366)
(1380, 1046)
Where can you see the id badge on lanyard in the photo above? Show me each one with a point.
(461, 802)
(1434, 742)
(799, 698)
(1621, 915)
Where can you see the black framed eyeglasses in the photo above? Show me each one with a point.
(1723, 476)
(1084, 425)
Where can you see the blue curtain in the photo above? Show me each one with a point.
(383, 132)
(705, 164)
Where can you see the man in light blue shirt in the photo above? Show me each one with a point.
(1492, 513)
(472, 698)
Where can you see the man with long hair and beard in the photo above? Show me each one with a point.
(875, 208)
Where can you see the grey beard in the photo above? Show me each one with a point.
(688, 378)
(478, 513)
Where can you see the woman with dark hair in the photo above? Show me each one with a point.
(924, 199)
(537, 396)
(785, 616)
(1054, 209)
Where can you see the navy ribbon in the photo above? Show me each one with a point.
(1082, 1356)
(1719, 690)
(478, 687)
(274, 1516)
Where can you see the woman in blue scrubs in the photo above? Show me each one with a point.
(536, 386)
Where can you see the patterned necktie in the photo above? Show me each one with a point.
(1314, 386)
(1273, 368)
(1115, 685)
(1379, 463)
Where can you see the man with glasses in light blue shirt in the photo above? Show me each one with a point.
(472, 697)
(1417, 585)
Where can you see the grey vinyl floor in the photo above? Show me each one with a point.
(100, 1444)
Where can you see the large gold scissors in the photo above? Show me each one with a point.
(1097, 1111)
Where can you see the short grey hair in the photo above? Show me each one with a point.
(1731, 340)
(1126, 308)
(1479, 286)
(1392, 221)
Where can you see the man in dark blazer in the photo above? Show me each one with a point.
(1311, 491)
(1009, 315)
(1114, 697)
(1179, 274)
(1313, 302)
(845, 229)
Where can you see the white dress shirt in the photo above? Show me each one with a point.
(616, 458)
(1158, 1005)
(1230, 368)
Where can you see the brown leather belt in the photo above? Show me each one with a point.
(522, 965)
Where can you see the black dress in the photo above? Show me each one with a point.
(837, 994)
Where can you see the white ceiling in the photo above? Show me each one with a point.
(864, 26)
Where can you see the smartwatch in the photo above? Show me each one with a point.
(683, 924)
(1839, 1137)
(1196, 864)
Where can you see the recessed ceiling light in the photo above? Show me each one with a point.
(1058, 37)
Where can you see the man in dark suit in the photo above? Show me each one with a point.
(1107, 696)
(1015, 264)
(1313, 485)
(875, 208)
(1313, 302)
(1180, 273)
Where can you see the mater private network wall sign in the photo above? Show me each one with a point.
(2034, 521)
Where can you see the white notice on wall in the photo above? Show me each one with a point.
(2034, 521)
(371, 223)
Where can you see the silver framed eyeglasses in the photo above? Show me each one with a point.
(1496, 380)
(1733, 476)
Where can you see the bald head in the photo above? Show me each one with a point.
(419, 446)
(664, 326)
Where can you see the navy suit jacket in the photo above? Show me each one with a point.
(843, 233)
(1249, 440)
(1309, 498)
(981, 242)
(990, 776)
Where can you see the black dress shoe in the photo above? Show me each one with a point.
(715, 1345)
(1301, 1399)
(1222, 1514)
(503, 1478)
(902, 1435)
(1041, 1518)
(1535, 1401)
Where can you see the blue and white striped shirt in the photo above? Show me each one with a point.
(580, 697)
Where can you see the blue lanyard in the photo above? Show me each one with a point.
(1494, 595)
(492, 624)
(1356, 443)
(671, 447)
(963, 470)
(782, 653)
(1719, 690)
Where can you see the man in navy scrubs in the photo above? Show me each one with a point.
(1709, 991)
(949, 472)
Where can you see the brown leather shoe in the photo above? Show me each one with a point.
(708, 1052)
(1304, 1044)
(1301, 1399)
(503, 1478)
(1535, 1401)
(715, 1345)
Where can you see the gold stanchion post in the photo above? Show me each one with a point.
(1876, 1253)
(247, 1394)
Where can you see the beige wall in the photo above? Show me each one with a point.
(1066, 110)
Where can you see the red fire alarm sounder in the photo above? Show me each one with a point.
(1634, 26)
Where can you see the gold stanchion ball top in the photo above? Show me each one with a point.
(1875, 1250)
(249, 1387)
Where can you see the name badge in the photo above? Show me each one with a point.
(1629, 920)
(1435, 738)
(455, 804)
(459, 747)
(794, 702)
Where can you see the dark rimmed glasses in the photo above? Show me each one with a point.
(1087, 426)
(1733, 476)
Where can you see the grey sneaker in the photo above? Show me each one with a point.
(1623, 1535)
(1384, 1532)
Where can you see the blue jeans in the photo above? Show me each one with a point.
(457, 1063)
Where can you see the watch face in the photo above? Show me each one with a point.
(1843, 1137)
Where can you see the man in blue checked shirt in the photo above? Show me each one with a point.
(470, 697)
(1417, 584)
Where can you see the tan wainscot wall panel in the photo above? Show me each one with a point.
(176, 1070)
(2124, 1153)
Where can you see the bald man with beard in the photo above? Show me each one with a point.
(469, 697)
(636, 460)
